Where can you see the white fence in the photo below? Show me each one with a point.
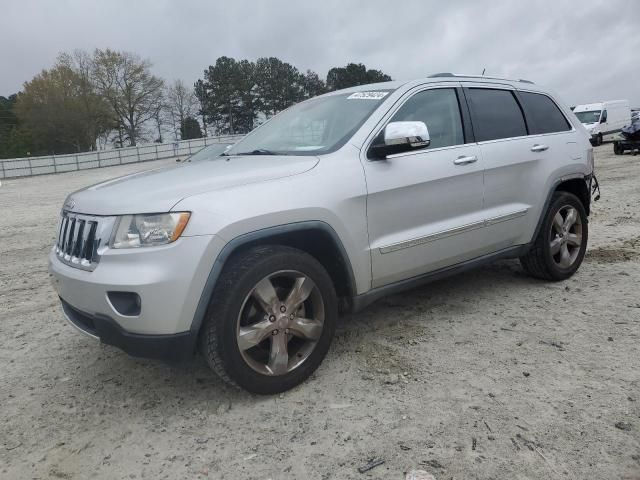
(25, 167)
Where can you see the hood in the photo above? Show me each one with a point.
(158, 190)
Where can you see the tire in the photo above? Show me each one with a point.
(541, 261)
(599, 140)
(250, 303)
(617, 148)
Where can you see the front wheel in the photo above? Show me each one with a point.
(599, 140)
(271, 319)
(560, 246)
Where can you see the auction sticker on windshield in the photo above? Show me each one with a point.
(367, 95)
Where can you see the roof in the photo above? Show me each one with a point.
(599, 105)
(435, 78)
(483, 77)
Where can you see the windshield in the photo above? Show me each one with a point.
(319, 125)
(210, 151)
(591, 116)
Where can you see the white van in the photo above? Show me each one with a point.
(605, 119)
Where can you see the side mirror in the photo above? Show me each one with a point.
(398, 137)
(604, 117)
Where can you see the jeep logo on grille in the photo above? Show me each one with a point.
(69, 204)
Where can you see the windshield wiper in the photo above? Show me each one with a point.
(258, 151)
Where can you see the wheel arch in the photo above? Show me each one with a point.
(316, 238)
(577, 185)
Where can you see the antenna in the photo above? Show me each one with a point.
(483, 70)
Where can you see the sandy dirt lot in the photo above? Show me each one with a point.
(490, 374)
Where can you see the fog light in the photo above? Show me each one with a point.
(127, 304)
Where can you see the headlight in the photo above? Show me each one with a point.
(148, 230)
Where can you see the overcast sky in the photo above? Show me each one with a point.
(586, 50)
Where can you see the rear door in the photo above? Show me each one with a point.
(501, 132)
(555, 145)
(424, 208)
(518, 160)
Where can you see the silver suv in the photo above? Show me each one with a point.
(328, 206)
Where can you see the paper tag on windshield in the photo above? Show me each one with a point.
(367, 95)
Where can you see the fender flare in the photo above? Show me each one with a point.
(552, 190)
(251, 237)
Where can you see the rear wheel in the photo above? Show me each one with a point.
(271, 319)
(559, 248)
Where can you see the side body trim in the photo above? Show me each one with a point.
(452, 231)
(431, 238)
(506, 217)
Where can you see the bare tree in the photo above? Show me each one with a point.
(158, 119)
(134, 94)
(182, 103)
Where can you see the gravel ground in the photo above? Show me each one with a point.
(489, 374)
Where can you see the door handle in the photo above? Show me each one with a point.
(539, 148)
(465, 160)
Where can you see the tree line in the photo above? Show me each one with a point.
(87, 101)
(235, 94)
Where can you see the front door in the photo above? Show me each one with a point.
(424, 207)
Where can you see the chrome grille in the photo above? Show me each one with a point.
(81, 239)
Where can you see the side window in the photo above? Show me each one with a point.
(438, 108)
(543, 114)
(495, 114)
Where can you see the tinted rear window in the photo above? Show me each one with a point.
(495, 114)
(543, 114)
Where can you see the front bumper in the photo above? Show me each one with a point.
(169, 281)
(173, 348)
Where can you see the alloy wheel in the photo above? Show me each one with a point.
(566, 237)
(280, 322)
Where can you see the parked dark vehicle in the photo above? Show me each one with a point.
(630, 138)
(632, 132)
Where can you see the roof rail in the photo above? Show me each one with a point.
(448, 74)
